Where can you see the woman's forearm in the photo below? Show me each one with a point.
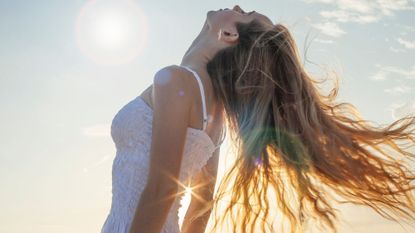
(198, 202)
(197, 225)
(201, 199)
(152, 211)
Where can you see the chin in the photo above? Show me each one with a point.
(210, 13)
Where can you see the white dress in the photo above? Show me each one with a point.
(131, 131)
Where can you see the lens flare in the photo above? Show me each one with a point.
(111, 32)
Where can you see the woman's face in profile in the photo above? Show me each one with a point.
(226, 18)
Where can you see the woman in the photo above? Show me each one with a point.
(246, 73)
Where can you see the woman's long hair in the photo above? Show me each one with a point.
(299, 143)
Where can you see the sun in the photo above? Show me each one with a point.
(111, 32)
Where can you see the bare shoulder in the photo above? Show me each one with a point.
(171, 87)
(173, 74)
(173, 81)
(168, 77)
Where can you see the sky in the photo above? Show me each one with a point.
(67, 67)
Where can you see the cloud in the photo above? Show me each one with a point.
(407, 44)
(347, 16)
(324, 41)
(330, 29)
(97, 131)
(388, 71)
(362, 11)
(399, 110)
(360, 6)
(387, 7)
(406, 27)
(319, 1)
(396, 50)
(104, 159)
(402, 89)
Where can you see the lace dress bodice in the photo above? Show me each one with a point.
(131, 131)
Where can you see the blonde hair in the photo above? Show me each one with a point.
(282, 127)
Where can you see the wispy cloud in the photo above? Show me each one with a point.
(401, 89)
(330, 29)
(360, 6)
(319, 1)
(388, 7)
(407, 44)
(97, 131)
(101, 161)
(324, 41)
(396, 50)
(345, 16)
(362, 11)
(385, 72)
(405, 27)
(399, 110)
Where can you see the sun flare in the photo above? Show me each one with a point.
(111, 32)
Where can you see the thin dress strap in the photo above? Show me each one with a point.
(202, 93)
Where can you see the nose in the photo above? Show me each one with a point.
(238, 8)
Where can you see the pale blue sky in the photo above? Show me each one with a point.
(57, 103)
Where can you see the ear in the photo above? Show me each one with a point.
(228, 36)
